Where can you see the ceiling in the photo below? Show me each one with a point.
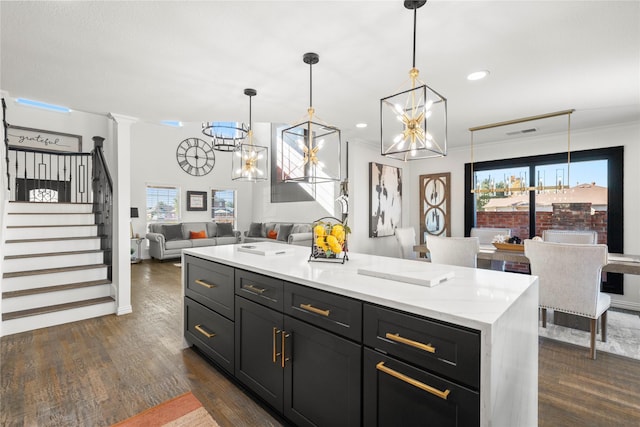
(192, 60)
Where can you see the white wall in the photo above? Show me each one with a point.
(153, 162)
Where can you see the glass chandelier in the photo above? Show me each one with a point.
(225, 136)
(249, 161)
(309, 152)
(413, 122)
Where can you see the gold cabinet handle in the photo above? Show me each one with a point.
(253, 288)
(203, 332)
(406, 341)
(284, 357)
(422, 386)
(276, 331)
(312, 309)
(205, 284)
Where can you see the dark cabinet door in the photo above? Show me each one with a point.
(321, 377)
(257, 356)
(398, 394)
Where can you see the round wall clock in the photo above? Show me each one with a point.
(195, 156)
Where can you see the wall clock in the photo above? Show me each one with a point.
(195, 156)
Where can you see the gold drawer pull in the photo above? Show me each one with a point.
(416, 344)
(422, 386)
(205, 284)
(203, 332)
(283, 356)
(276, 331)
(312, 309)
(253, 288)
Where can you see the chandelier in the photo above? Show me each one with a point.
(413, 122)
(309, 152)
(225, 136)
(249, 161)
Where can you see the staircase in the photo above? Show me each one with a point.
(53, 268)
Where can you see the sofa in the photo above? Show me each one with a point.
(168, 240)
(284, 232)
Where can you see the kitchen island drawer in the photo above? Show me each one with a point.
(398, 394)
(335, 313)
(212, 333)
(210, 283)
(449, 350)
(264, 290)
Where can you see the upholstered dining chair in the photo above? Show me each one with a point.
(570, 275)
(406, 238)
(485, 236)
(462, 251)
(570, 236)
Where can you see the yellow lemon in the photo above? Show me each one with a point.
(319, 230)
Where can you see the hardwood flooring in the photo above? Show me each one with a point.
(100, 371)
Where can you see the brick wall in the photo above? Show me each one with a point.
(565, 216)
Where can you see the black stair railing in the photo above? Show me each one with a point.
(103, 201)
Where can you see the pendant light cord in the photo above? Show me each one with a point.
(310, 85)
(415, 18)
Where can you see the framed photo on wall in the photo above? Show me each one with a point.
(385, 196)
(196, 200)
(435, 205)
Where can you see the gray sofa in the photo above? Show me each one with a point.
(285, 232)
(167, 240)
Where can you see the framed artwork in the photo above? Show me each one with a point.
(43, 140)
(385, 196)
(435, 205)
(196, 200)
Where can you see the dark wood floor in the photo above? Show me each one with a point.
(100, 371)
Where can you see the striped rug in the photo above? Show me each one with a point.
(182, 411)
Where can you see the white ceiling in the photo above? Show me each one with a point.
(191, 60)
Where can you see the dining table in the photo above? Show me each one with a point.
(616, 263)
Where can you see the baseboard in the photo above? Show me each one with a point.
(124, 310)
(627, 305)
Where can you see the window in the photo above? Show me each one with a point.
(223, 204)
(532, 194)
(163, 204)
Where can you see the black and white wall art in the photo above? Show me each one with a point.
(385, 192)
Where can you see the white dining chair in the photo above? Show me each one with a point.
(485, 236)
(406, 238)
(462, 251)
(569, 281)
(570, 236)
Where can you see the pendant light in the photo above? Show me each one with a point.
(413, 122)
(249, 161)
(309, 152)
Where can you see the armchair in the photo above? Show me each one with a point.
(462, 251)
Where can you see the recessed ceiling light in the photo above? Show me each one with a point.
(361, 125)
(478, 75)
(43, 105)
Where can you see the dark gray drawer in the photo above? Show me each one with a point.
(210, 284)
(335, 313)
(264, 290)
(445, 349)
(212, 333)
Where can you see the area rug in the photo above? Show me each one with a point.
(182, 411)
(623, 334)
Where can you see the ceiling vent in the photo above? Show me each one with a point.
(519, 132)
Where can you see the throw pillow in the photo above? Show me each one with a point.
(255, 230)
(272, 234)
(172, 232)
(225, 229)
(268, 226)
(284, 231)
(198, 234)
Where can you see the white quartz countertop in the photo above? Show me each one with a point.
(475, 298)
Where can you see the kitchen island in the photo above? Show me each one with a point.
(324, 344)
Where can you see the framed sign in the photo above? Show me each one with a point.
(435, 205)
(196, 200)
(385, 195)
(43, 140)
